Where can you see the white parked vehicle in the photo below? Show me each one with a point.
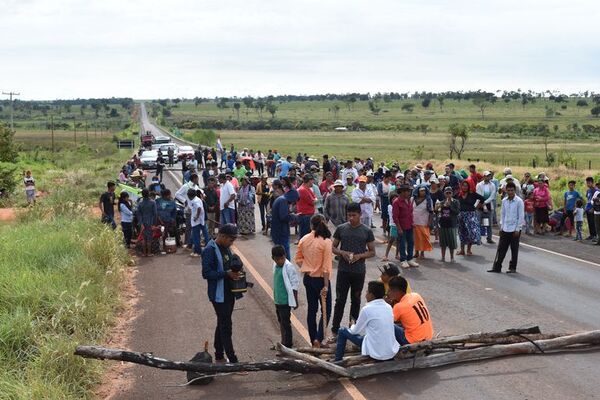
(148, 159)
(186, 152)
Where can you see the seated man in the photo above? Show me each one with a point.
(377, 322)
(412, 318)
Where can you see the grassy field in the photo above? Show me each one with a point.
(61, 271)
(391, 113)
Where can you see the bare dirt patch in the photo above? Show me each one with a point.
(8, 214)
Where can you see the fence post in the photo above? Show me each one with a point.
(590, 164)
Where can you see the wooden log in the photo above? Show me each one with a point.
(150, 360)
(470, 337)
(337, 369)
(483, 353)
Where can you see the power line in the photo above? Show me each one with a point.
(12, 108)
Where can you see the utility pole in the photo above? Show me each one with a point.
(86, 131)
(12, 108)
(52, 129)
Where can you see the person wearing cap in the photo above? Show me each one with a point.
(349, 186)
(281, 218)
(509, 178)
(226, 200)
(245, 207)
(426, 179)
(402, 215)
(447, 211)
(487, 190)
(388, 271)
(335, 205)
(305, 207)
(511, 222)
(216, 259)
(364, 196)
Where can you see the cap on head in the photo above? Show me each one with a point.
(487, 173)
(228, 230)
(507, 171)
(362, 178)
(390, 269)
(338, 183)
(448, 189)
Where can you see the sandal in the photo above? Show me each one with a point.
(460, 253)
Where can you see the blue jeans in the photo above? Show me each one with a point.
(196, 238)
(399, 333)
(303, 225)
(485, 230)
(528, 222)
(406, 244)
(313, 286)
(343, 336)
(205, 233)
(227, 216)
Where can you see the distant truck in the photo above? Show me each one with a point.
(147, 139)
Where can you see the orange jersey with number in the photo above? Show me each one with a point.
(414, 316)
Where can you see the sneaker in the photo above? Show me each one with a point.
(194, 255)
(490, 241)
(404, 264)
(413, 263)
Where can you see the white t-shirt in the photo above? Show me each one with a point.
(226, 191)
(195, 205)
(579, 214)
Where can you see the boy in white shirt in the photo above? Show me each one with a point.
(374, 329)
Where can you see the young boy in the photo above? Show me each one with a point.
(579, 220)
(529, 205)
(570, 197)
(285, 292)
(388, 271)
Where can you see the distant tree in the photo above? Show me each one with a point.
(163, 102)
(248, 102)
(582, 103)
(236, 107)
(352, 102)
(176, 102)
(113, 113)
(550, 112)
(222, 103)
(596, 99)
(259, 106)
(440, 100)
(197, 101)
(595, 111)
(457, 139)
(335, 109)
(272, 109)
(387, 98)
(165, 112)
(374, 107)
(426, 101)
(482, 103)
(423, 128)
(8, 151)
(408, 107)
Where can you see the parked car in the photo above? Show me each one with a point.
(186, 152)
(148, 159)
(162, 139)
(165, 149)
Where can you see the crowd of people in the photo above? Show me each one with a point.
(330, 206)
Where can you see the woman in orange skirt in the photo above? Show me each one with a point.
(422, 212)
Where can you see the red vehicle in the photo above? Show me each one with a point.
(186, 152)
(147, 139)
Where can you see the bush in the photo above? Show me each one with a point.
(8, 177)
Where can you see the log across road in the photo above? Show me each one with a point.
(560, 294)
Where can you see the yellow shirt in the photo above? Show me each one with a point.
(315, 255)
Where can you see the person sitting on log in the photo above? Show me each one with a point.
(412, 318)
(376, 321)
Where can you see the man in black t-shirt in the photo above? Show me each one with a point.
(107, 205)
(353, 242)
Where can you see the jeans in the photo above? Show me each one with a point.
(286, 245)
(400, 336)
(313, 286)
(223, 331)
(227, 216)
(347, 281)
(284, 313)
(406, 244)
(188, 229)
(205, 234)
(488, 229)
(109, 220)
(579, 228)
(196, 238)
(303, 225)
(343, 336)
(528, 223)
(127, 228)
(263, 214)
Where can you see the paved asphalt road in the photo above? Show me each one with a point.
(559, 293)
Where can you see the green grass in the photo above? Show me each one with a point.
(60, 273)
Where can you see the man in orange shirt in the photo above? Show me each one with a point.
(412, 318)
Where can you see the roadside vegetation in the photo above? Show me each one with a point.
(61, 271)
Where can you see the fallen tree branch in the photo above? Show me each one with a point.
(337, 369)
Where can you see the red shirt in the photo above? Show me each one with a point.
(306, 201)
(402, 213)
(529, 206)
(324, 187)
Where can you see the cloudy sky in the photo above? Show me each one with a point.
(184, 48)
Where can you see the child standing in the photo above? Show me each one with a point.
(529, 211)
(579, 220)
(285, 292)
(393, 230)
(29, 187)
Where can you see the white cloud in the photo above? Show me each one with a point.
(144, 49)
